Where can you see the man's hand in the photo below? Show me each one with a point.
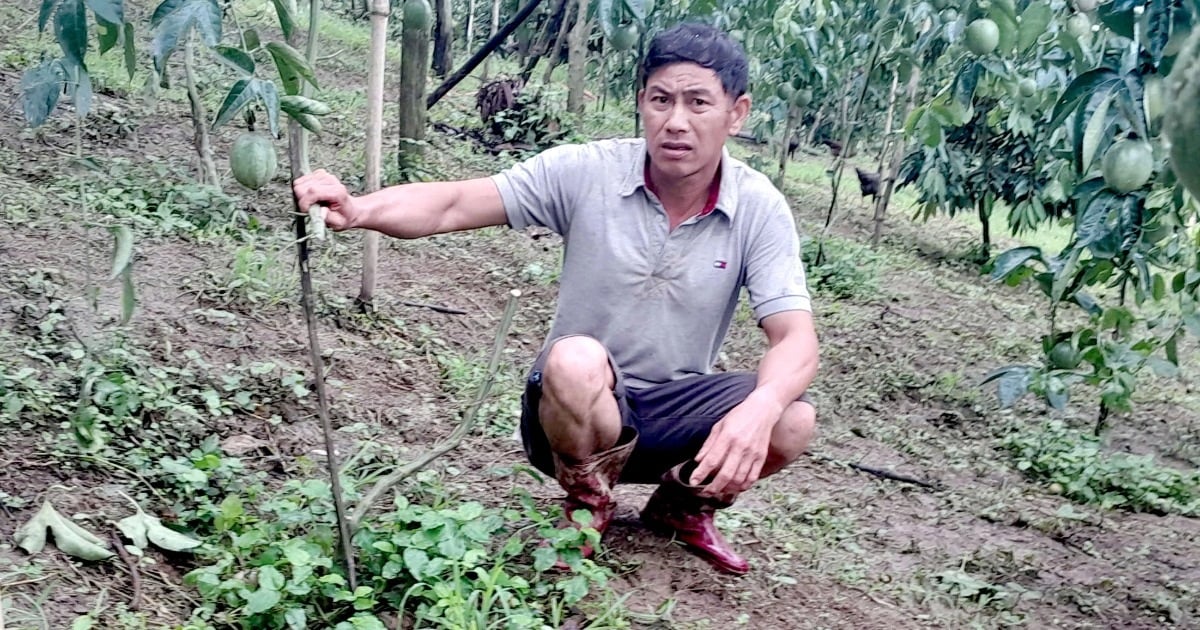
(321, 188)
(737, 447)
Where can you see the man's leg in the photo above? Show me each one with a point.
(572, 426)
(578, 411)
(791, 436)
(675, 419)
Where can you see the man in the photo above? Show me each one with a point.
(661, 234)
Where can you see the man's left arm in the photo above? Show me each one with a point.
(737, 447)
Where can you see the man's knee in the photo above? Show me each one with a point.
(794, 432)
(576, 365)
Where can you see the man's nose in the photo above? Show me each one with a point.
(677, 118)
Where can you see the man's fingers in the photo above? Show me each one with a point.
(709, 463)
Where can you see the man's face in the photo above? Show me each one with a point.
(688, 116)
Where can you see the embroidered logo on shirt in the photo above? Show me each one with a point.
(719, 264)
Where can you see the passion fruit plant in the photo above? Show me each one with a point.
(1132, 265)
(245, 55)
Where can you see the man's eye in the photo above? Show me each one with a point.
(700, 102)
(659, 99)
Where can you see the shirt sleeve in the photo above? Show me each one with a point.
(774, 271)
(539, 190)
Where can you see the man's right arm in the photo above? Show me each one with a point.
(408, 210)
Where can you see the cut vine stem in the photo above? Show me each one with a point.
(454, 439)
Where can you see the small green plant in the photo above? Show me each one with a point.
(270, 564)
(1075, 461)
(847, 270)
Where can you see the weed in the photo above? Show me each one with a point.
(155, 200)
(847, 270)
(1074, 460)
(270, 565)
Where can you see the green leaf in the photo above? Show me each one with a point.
(1013, 383)
(244, 91)
(71, 31)
(287, 22)
(44, 13)
(130, 51)
(80, 87)
(175, 22)
(165, 8)
(1158, 27)
(1081, 90)
(416, 560)
(1034, 21)
(40, 88)
(544, 558)
(112, 11)
(250, 39)
(1119, 17)
(1171, 347)
(292, 67)
(122, 249)
(261, 601)
(1014, 259)
(1097, 128)
(236, 58)
(296, 619)
(108, 34)
(270, 578)
(128, 295)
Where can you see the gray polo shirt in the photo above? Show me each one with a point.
(661, 301)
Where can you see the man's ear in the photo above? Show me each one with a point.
(741, 111)
(641, 94)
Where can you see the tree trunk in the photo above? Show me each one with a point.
(887, 121)
(482, 53)
(812, 133)
(985, 218)
(414, 66)
(491, 34)
(566, 10)
(784, 141)
(470, 24)
(208, 168)
(374, 149)
(888, 181)
(443, 42)
(577, 60)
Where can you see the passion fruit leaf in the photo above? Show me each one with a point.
(111, 11)
(71, 30)
(1014, 259)
(107, 34)
(1034, 21)
(1097, 125)
(292, 67)
(122, 249)
(1080, 90)
(128, 295)
(287, 22)
(176, 22)
(236, 58)
(40, 90)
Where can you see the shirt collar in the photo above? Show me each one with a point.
(635, 178)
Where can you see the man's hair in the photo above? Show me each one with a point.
(705, 46)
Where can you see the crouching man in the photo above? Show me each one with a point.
(661, 235)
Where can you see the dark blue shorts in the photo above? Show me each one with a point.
(672, 419)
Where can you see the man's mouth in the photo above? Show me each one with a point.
(676, 149)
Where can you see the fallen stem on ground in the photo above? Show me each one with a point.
(454, 439)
